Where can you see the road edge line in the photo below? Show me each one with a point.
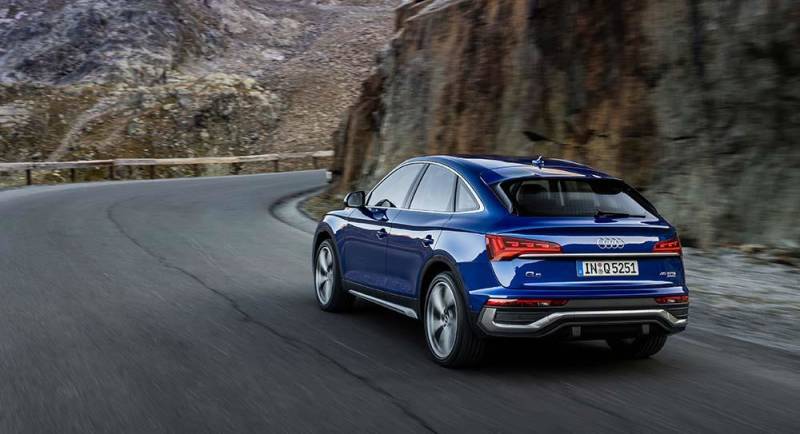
(288, 210)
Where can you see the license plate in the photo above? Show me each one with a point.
(608, 268)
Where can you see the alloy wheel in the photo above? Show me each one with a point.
(324, 275)
(441, 317)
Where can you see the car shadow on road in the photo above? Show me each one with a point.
(507, 355)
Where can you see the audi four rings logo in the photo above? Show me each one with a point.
(610, 243)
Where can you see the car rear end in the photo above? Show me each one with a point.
(582, 258)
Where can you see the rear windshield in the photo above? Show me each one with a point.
(576, 198)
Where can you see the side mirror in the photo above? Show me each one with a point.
(355, 199)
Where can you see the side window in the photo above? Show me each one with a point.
(435, 191)
(392, 192)
(465, 201)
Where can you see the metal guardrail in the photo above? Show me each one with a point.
(152, 163)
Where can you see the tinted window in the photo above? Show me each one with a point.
(576, 198)
(392, 192)
(465, 201)
(435, 191)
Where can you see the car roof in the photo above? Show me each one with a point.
(498, 168)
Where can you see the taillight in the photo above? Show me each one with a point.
(524, 302)
(668, 246)
(673, 299)
(501, 248)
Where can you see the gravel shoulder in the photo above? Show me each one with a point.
(742, 296)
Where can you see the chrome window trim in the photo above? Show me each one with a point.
(596, 255)
(481, 207)
(414, 184)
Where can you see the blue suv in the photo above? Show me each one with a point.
(485, 246)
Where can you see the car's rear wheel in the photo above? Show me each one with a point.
(638, 348)
(328, 287)
(450, 339)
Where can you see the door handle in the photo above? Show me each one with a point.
(381, 233)
(428, 240)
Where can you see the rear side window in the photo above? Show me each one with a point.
(465, 201)
(393, 191)
(435, 191)
(576, 198)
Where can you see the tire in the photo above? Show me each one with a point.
(449, 336)
(640, 347)
(328, 287)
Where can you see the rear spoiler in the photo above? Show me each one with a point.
(506, 173)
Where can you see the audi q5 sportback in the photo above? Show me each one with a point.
(481, 247)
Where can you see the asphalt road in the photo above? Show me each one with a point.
(185, 306)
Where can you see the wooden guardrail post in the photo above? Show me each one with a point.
(28, 177)
(153, 171)
(276, 165)
(73, 176)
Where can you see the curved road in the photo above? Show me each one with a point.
(185, 306)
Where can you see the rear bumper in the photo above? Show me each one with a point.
(478, 297)
(586, 323)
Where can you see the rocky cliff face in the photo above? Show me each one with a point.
(169, 78)
(695, 102)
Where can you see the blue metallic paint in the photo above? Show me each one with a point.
(412, 240)
(395, 264)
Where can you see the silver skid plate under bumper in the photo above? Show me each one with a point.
(578, 319)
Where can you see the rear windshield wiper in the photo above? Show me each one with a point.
(601, 213)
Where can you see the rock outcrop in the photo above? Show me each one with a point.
(695, 102)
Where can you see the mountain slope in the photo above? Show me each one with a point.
(158, 78)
